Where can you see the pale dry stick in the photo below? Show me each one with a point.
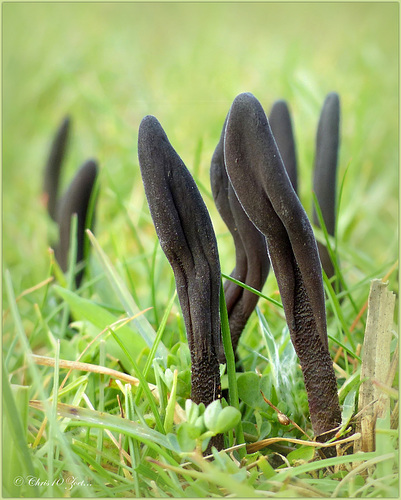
(102, 370)
(363, 309)
(382, 402)
(375, 360)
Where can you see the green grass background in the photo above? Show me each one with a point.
(110, 64)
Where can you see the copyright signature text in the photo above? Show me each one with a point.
(68, 482)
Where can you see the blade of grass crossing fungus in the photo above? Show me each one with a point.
(230, 358)
(125, 297)
(253, 290)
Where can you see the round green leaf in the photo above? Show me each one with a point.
(227, 419)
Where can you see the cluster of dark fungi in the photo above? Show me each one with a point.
(254, 184)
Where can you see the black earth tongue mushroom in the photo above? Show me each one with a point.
(53, 167)
(325, 171)
(281, 126)
(187, 238)
(75, 201)
(257, 173)
(251, 259)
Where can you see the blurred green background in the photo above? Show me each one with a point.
(110, 64)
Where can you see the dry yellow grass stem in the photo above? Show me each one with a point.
(375, 363)
(179, 414)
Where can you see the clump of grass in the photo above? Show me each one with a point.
(95, 431)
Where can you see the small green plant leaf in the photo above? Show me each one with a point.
(211, 415)
(249, 390)
(301, 455)
(191, 411)
(186, 437)
(227, 419)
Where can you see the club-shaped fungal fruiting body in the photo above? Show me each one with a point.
(281, 126)
(252, 263)
(325, 171)
(76, 199)
(262, 185)
(251, 259)
(53, 166)
(187, 238)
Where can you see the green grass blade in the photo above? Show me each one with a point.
(15, 423)
(143, 383)
(141, 323)
(253, 290)
(230, 358)
(159, 335)
(92, 418)
(101, 318)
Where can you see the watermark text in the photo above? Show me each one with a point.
(68, 482)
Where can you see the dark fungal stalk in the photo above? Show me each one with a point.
(325, 171)
(251, 259)
(252, 262)
(53, 167)
(262, 185)
(75, 201)
(187, 238)
(281, 126)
